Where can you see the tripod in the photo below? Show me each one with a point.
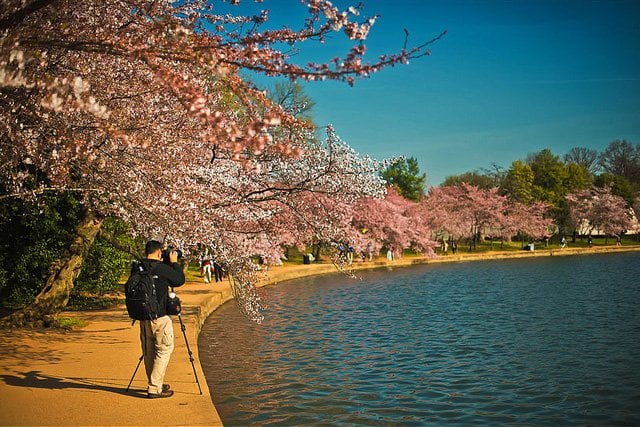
(183, 328)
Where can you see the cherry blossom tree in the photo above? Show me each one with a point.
(392, 221)
(467, 211)
(527, 220)
(597, 209)
(137, 107)
(464, 211)
(444, 214)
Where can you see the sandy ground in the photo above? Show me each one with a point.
(80, 377)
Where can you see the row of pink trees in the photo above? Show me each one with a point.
(457, 212)
(137, 107)
(470, 212)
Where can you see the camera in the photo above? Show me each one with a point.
(167, 252)
(173, 304)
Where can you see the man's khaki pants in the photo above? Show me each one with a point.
(156, 337)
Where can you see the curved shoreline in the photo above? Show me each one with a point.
(279, 274)
(53, 377)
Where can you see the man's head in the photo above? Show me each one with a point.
(153, 249)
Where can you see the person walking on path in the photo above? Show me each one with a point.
(217, 270)
(156, 336)
(206, 267)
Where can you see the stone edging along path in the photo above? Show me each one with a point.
(79, 377)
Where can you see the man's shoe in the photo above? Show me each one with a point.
(165, 387)
(164, 393)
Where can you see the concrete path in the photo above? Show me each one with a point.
(80, 377)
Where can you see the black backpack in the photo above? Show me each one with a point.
(140, 294)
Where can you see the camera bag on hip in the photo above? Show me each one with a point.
(140, 294)
(173, 304)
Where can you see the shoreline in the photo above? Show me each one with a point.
(301, 271)
(79, 377)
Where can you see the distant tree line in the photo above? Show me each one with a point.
(547, 177)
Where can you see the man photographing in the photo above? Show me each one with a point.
(156, 336)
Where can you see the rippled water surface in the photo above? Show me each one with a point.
(552, 341)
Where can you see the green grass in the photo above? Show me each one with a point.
(70, 323)
(487, 246)
(87, 302)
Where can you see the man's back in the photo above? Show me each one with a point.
(165, 276)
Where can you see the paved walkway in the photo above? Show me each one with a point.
(79, 377)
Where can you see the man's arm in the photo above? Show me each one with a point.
(172, 273)
(176, 275)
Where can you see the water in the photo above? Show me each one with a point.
(552, 341)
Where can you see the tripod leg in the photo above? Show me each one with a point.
(134, 373)
(184, 333)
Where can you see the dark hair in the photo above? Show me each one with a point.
(152, 246)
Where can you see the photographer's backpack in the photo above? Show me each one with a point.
(140, 294)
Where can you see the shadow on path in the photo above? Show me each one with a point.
(36, 379)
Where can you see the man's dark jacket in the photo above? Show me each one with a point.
(164, 275)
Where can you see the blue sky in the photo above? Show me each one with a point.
(510, 78)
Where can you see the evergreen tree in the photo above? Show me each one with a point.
(405, 176)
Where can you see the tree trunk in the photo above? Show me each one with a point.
(472, 241)
(126, 248)
(54, 297)
(481, 234)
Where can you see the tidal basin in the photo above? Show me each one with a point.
(545, 341)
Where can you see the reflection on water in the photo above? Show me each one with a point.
(552, 341)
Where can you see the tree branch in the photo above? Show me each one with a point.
(113, 241)
(19, 15)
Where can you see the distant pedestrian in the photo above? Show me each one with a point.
(205, 265)
(618, 240)
(217, 270)
(563, 242)
(454, 247)
(445, 247)
(590, 241)
(390, 253)
(350, 251)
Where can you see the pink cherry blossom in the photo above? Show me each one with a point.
(597, 209)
